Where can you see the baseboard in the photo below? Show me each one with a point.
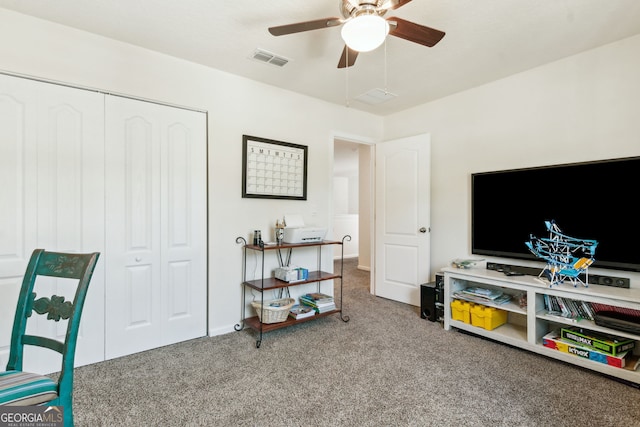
(221, 331)
(364, 268)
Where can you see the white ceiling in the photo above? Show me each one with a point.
(485, 40)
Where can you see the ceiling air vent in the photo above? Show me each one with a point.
(269, 58)
(376, 96)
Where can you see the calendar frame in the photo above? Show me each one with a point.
(251, 143)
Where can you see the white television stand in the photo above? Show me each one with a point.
(525, 327)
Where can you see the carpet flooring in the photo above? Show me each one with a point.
(385, 367)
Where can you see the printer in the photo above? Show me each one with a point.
(296, 232)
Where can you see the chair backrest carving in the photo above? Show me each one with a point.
(56, 308)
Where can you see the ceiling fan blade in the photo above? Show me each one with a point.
(347, 60)
(414, 32)
(394, 4)
(305, 26)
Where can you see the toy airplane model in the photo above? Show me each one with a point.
(561, 254)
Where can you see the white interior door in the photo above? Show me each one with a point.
(402, 218)
(52, 197)
(156, 225)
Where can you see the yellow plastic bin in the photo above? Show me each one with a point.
(460, 310)
(487, 318)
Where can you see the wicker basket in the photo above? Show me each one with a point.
(274, 311)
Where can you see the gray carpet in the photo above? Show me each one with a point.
(385, 367)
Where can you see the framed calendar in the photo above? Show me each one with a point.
(273, 169)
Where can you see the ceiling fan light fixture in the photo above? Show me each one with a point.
(364, 33)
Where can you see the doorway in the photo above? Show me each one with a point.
(352, 200)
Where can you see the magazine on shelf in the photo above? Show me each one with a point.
(560, 316)
(319, 298)
(319, 309)
(502, 299)
(309, 300)
(488, 294)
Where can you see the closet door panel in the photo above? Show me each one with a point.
(184, 224)
(134, 288)
(70, 213)
(52, 171)
(156, 225)
(140, 227)
(17, 215)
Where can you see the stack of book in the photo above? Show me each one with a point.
(483, 295)
(320, 302)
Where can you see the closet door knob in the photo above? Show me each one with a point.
(422, 230)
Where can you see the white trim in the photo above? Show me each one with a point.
(106, 92)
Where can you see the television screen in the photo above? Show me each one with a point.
(591, 200)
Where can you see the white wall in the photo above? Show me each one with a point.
(580, 108)
(346, 225)
(235, 106)
(341, 195)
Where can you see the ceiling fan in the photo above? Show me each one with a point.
(365, 28)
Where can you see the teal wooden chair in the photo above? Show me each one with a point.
(19, 388)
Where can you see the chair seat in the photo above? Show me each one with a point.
(25, 389)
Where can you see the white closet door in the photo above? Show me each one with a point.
(17, 214)
(52, 194)
(156, 225)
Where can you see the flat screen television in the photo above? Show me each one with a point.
(592, 200)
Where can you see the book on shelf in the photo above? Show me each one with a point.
(554, 341)
(571, 308)
(301, 311)
(564, 308)
(580, 309)
(325, 309)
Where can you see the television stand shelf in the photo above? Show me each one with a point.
(269, 283)
(526, 326)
